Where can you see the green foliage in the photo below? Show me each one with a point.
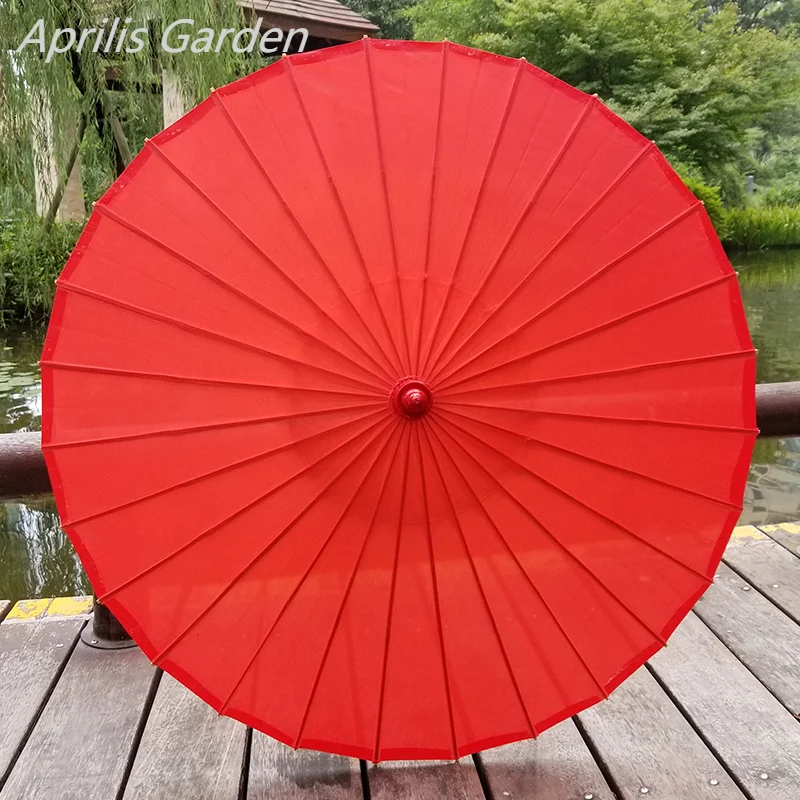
(391, 16)
(30, 260)
(695, 81)
(712, 201)
(786, 195)
(756, 227)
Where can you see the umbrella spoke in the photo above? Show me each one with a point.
(287, 602)
(600, 418)
(445, 45)
(340, 204)
(387, 205)
(183, 548)
(203, 332)
(127, 437)
(480, 440)
(588, 107)
(165, 376)
(435, 587)
(219, 470)
(390, 612)
(457, 520)
(639, 312)
(228, 287)
(350, 582)
(649, 239)
(490, 162)
(583, 376)
(718, 500)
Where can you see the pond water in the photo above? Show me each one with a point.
(37, 560)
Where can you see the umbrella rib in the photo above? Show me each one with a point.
(655, 548)
(289, 70)
(701, 287)
(582, 376)
(382, 161)
(345, 597)
(476, 576)
(600, 418)
(392, 592)
(687, 212)
(126, 437)
(597, 682)
(242, 235)
(435, 587)
(218, 99)
(173, 554)
(203, 332)
(174, 642)
(593, 460)
(218, 471)
(478, 198)
(565, 145)
(209, 275)
(167, 376)
(288, 601)
(429, 237)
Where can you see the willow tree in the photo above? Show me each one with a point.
(99, 100)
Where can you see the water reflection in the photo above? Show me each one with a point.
(37, 560)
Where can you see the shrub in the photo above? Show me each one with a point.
(782, 196)
(710, 195)
(30, 260)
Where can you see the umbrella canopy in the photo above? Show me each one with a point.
(399, 400)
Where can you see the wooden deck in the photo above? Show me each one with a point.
(714, 716)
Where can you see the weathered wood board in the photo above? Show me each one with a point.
(79, 748)
(279, 773)
(646, 743)
(752, 733)
(31, 656)
(187, 750)
(757, 631)
(425, 780)
(556, 765)
(785, 533)
(768, 566)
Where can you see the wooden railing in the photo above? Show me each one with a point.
(23, 471)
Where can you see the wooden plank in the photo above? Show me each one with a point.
(750, 731)
(785, 533)
(646, 743)
(768, 566)
(555, 766)
(758, 632)
(31, 655)
(425, 780)
(279, 773)
(186, 745)
(80, 745)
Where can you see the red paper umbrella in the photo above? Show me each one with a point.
(399, 400)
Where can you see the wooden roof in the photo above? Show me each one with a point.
(327, 19)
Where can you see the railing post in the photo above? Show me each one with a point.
(104, 631)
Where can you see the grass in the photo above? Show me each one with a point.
(761, 227)
(31, 258)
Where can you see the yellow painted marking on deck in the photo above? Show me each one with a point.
(785, 527)
(69, 606)
(747, 532)
(29, 609)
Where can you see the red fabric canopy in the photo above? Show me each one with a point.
(399, 400)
